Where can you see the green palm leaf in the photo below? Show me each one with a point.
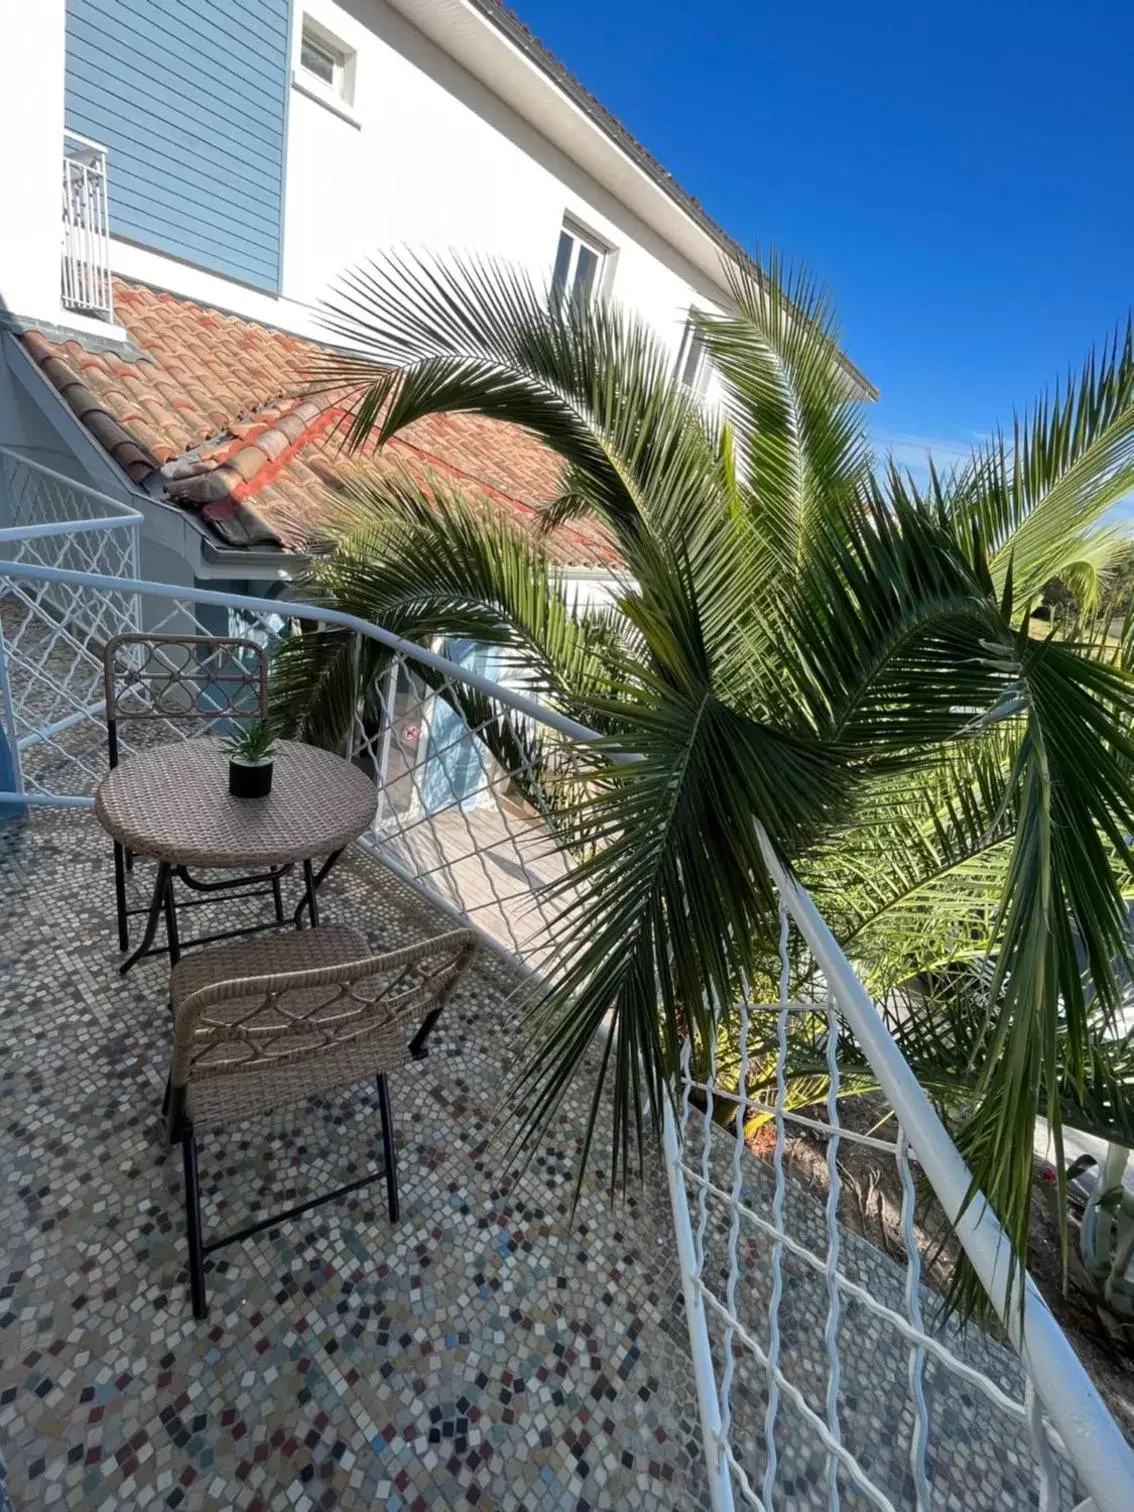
(797, 420)
(842, 658)
(1037, 503)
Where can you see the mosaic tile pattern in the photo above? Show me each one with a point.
(481, 1353)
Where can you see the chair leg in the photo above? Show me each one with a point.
(193, 1225)
(388, 1145)
(120, 896)
(277, 896)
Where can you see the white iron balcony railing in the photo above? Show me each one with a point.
(86, 228)
(50, 634)
(826, 1374)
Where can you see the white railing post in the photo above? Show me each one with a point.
(716, 1466)
(10, 733)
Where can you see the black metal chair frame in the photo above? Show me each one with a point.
(164, 898)
(179, 1130)
(162, 903)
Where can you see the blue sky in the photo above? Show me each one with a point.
(961, 175)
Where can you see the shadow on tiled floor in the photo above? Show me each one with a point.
(480, 1353)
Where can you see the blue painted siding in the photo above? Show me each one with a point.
(190, 98)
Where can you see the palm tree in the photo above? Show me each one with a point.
(801, 642)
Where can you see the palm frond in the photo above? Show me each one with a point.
(798, 429)
(897, 640)
(1062, 904)
(594, 384)
(418, 559)
(673, 902)
(845, 658)
(915, 881)
(1037, 500)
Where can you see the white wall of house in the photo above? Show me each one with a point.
(426, 156)
(31, 154)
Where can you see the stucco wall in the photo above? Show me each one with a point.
(433, 159)
(31, 151)
(425, 156)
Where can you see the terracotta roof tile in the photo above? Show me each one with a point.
(221, 407)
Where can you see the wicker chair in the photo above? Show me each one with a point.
(206, 680)
(266, 1023)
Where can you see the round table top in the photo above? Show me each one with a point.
(173, 804)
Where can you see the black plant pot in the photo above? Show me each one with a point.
(246, 781)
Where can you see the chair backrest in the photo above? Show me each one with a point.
(247, 1023)
(194, 678)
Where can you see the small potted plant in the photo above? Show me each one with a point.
(250, 751)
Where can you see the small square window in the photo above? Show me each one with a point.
(323, 58)
(579, 261)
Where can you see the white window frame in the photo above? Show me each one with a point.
(692, 350)
(581, 239)
(338, 95)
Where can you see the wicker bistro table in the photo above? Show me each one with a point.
(172, 804)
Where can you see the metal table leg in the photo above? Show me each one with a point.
(171, 924)
(162, 898)
(120, 897)
(313, 881)
(308, 897)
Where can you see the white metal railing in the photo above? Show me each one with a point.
(86, 227)
(824, 1372)
(52, 632)
(735, 1216)
(458, 826)
(37, 502)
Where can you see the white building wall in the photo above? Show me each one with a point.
(31, 155)
(425, 156)
(428, 157)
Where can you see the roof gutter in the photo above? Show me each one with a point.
(247, 562)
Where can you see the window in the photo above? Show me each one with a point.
(578, 265)
(692, 359)
(321, 61)
(326, 66)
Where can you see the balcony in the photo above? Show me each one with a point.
(715, 1338)
(86, 278)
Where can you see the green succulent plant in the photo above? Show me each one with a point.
(253, 742)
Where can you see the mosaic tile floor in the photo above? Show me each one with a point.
(481, 1353)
